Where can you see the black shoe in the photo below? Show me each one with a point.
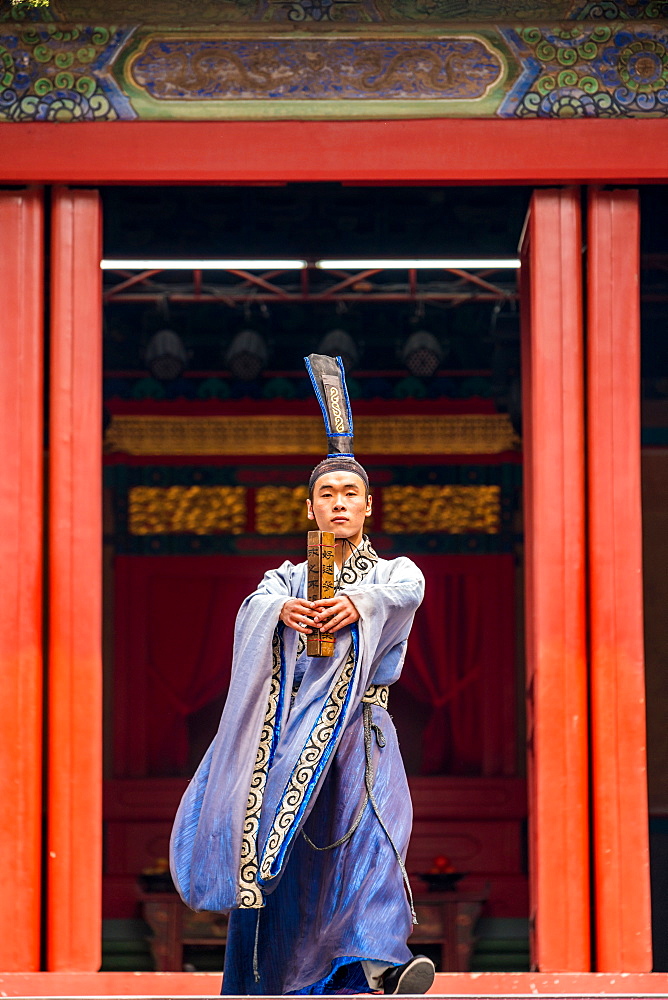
(415, 976)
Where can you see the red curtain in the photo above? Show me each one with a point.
(174, 621)
(174, 632)
(460, 662)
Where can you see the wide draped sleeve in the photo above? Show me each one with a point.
(386, 603)
(206, 842)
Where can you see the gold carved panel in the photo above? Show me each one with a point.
(468, 434)
(200, 510)
(281, 510)
(455, 509)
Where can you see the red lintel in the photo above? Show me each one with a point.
(417, 151)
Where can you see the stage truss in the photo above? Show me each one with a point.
(314, 285)
(233, 288)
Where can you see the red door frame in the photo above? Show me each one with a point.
(74, 762)
(555, 584)
(410, 152)
(618, 760)
(21, 446)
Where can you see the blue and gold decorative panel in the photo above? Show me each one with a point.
(163, 71)
(338, 59)
(594, 71)
(55, 73)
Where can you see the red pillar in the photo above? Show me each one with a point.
(553, 433)
(619, 784)
(75, 587)
(21, 447)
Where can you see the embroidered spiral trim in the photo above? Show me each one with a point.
(250, 894)
(377, 694)
(356, 567)
(305, 769)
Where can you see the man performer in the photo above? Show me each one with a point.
(298, 818)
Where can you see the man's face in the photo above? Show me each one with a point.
(340, 504)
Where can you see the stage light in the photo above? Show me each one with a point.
(226, 264)
(422, 354)
(420, 263)
(247, 355)
(339, 343)
(165, 355)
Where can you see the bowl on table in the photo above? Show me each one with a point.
(157, 882)
(442, 881)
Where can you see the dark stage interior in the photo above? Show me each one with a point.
(165, 573)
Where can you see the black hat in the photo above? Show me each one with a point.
(329, 382)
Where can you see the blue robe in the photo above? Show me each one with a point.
(281, 763)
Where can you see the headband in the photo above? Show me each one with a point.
(334, 464)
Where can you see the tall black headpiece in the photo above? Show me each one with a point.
(329, 382)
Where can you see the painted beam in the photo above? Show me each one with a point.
(74, 862)
(553, 433)
(21, 447)
(444, 150)
(618, 739)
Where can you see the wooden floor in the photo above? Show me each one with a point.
(206, 984)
